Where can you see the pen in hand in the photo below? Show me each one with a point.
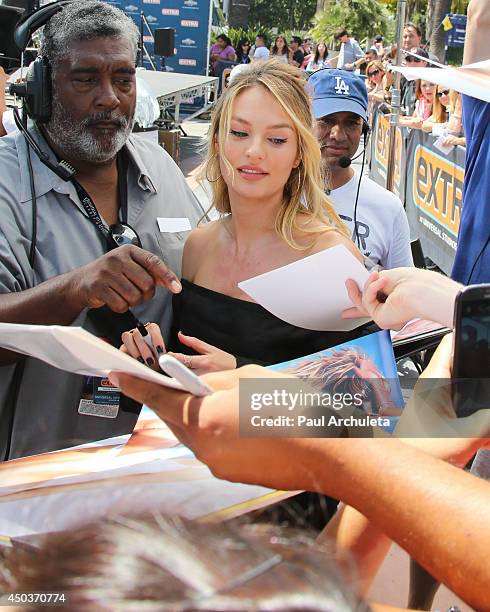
(146, 337)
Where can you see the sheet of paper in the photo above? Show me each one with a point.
(75, 350)
(472, 80)
(442, 147)
(310, 293)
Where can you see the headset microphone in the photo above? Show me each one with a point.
(345, 162)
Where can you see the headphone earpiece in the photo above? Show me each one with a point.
(36, 90)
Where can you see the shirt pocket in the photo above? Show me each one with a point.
(172, 247)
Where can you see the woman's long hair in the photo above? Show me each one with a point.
(275, 48)
(303, 192)
(239, 51)
(317, 52)
(335, 371)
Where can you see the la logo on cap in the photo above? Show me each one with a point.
(341, 87)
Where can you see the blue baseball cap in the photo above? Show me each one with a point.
(335, 91)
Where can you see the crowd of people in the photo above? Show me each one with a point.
(423, 106)
(91, 248)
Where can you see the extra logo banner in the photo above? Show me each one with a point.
(434, 196)
(380, 154)
(429, 183)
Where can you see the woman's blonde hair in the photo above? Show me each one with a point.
(303, 191)
(335, 371)
(377, 64)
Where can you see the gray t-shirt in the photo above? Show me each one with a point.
(46, 408)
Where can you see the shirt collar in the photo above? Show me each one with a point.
(46, 180)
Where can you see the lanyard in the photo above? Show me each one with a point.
(91, 209)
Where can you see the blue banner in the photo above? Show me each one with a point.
(189, 18)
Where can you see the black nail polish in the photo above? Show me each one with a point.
(140, 359)
(159, 349)
(150, 361)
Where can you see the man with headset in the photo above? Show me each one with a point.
(73, 188)
(374, 215)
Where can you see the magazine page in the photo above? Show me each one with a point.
(365, 365)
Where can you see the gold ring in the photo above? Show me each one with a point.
(188, 361)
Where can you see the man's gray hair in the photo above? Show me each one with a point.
(85, 20)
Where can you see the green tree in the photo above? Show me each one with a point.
(459, 6)
(363, 19)
(295, 15)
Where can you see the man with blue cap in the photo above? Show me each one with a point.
(375, 216)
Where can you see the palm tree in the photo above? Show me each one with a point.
(440, 8)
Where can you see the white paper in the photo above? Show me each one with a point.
(75, 350)
(438, 144)
(174, 224)
(472, 80)
(310, 293)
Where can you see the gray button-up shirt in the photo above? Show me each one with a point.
(349, 53)
(46, 406)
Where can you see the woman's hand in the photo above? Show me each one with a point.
(394, 297)
(135, 346)
(210, 358)
(454, 140)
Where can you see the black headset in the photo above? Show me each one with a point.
(36, 89)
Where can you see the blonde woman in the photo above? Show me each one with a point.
(263, 165)
(440, 108)
(375, 73)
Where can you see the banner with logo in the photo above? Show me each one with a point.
(434, 194)
(380, 149)
(428, 182)
(191, 21)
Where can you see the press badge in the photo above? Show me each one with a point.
(99, 398)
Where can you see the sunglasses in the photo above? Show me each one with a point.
(373, 73)
(444, 92)
(123, 234)
(410, 59)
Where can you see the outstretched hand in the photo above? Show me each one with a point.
(210, 358)
(394, 297)
(210, 427)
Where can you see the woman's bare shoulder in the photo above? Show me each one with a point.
(330, 238)
(197, 243)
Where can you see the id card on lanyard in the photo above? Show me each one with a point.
(99, 397)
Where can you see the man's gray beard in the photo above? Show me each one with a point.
(74, 139)
(326, 173)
